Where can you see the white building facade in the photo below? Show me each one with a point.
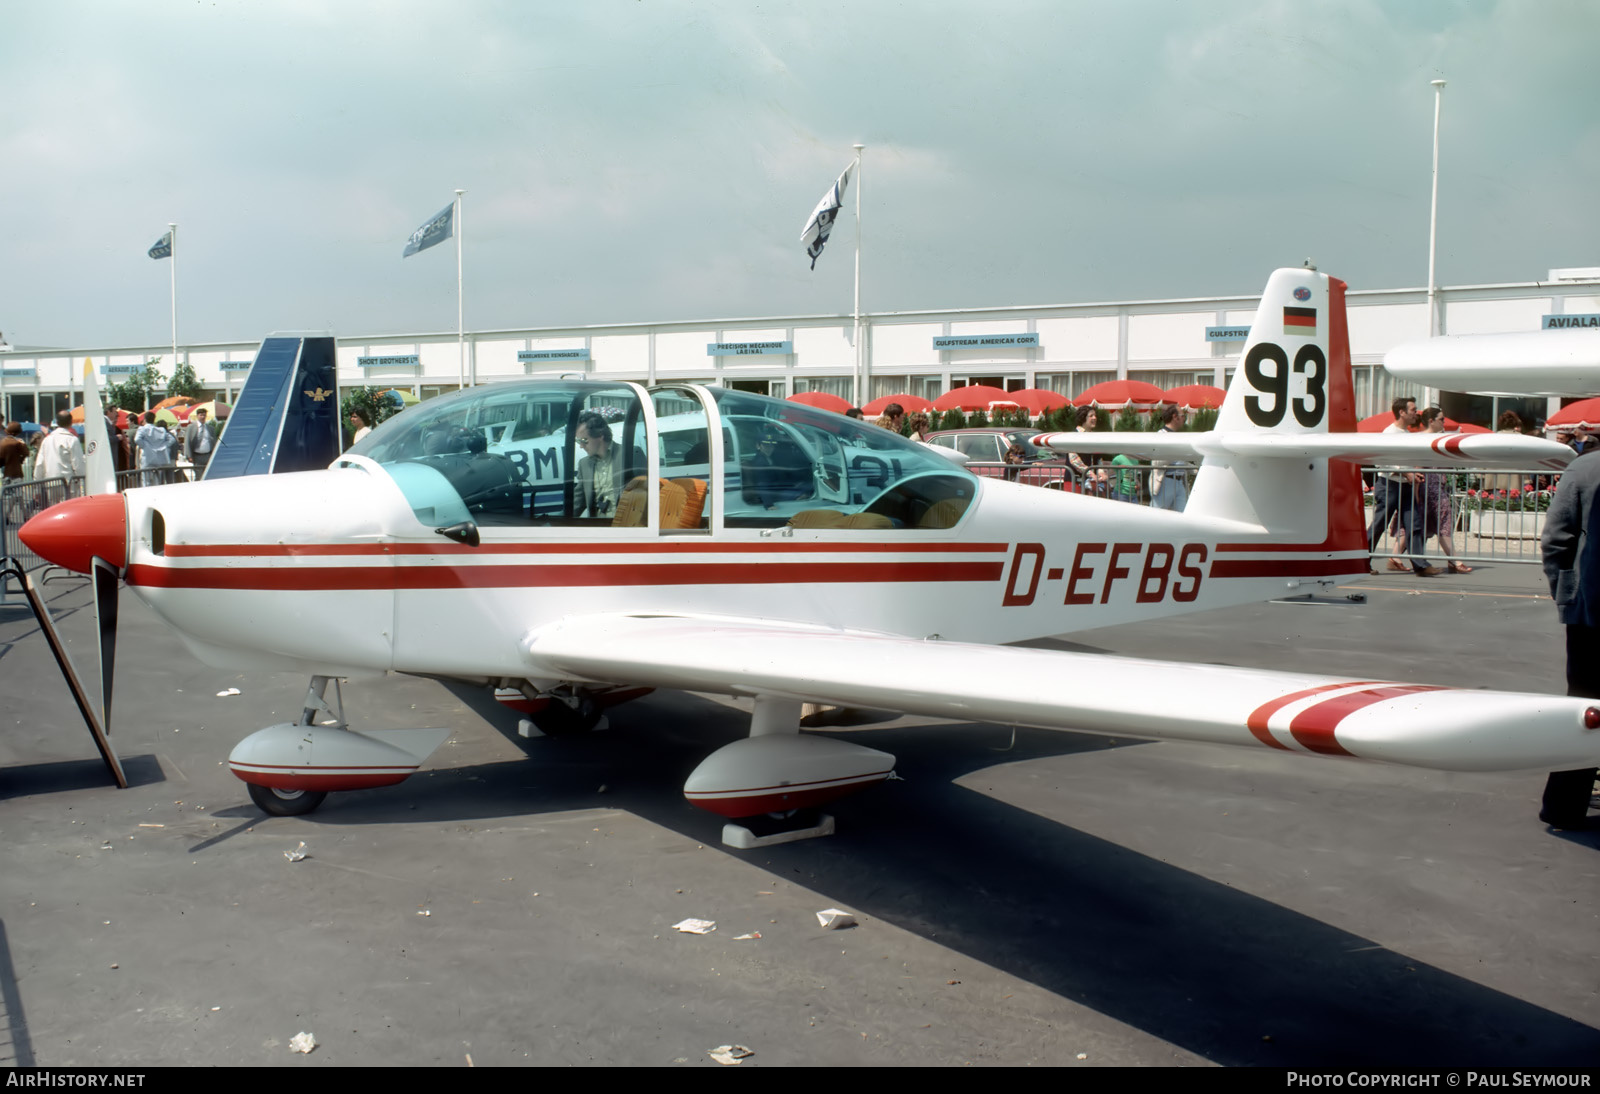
(1061, 347)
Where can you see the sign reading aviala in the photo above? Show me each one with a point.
(1570, 322)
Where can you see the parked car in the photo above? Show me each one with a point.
(986, 450)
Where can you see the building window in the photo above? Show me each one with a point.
(1166, 379)
(1073, 384)
(889, 385)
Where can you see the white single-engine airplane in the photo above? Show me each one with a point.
(769, 550)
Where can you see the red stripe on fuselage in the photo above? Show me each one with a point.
(1267, 548)
(667, 547)
(441, 576)
(1288, 567)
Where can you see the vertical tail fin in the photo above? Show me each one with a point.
(1294, 377)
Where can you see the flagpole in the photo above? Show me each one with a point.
(173, 228)
(461, 331)
(860, 350)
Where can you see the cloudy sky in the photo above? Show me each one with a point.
(643, 160)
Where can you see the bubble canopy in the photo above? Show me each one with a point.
(568, 453)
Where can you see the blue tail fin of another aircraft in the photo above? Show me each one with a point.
(287, 415)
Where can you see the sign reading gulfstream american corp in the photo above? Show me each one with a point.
(740, 349)
(526, 355)
(1227, 334)
(985, 341)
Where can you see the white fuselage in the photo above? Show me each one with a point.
(331, 572)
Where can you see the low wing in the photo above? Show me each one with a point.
(1417, 724)
(1538, 362)
(1159, 445)
(1448, 450)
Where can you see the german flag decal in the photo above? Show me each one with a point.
(1302, 321)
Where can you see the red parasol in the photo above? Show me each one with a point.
(910, 403)
(123, 416)
(1115, 394)
(1038, 401)
(972, 397)
(1195, 396)
(821, 400)
(1584, 412)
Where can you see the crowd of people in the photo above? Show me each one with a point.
(1121, 476)
(157, 451)
(1413, 507)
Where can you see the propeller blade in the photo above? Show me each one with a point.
(105, 611)
(100, 470)
(64, 661)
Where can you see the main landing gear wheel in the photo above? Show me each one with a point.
(560, 720)
(285, 803)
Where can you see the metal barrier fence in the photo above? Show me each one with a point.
(18, 502)
(1491, 516)
(155, 476)
(1128, 482)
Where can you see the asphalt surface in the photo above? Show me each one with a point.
(1023, 898)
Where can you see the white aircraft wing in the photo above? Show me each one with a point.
(1447, 450)
(1536, 362)
(1158, 445)
(1417, 724)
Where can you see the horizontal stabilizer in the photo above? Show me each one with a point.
(1534, 362)
(1449, 450)
(1417, 724)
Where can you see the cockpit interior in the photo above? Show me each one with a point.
(574, 453)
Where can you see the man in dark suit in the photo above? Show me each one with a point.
(199, 438)
(1571, 545)
(602, 472)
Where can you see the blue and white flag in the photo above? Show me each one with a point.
(163, 246)
(436, 230)
(817, 228)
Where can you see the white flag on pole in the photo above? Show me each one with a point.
(817, 228)
(436, 230)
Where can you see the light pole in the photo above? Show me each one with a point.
(1433, 230)
(1433, 218)
(861, 384)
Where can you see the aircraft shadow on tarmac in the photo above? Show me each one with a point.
(17, 1048)
(1219, 972)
